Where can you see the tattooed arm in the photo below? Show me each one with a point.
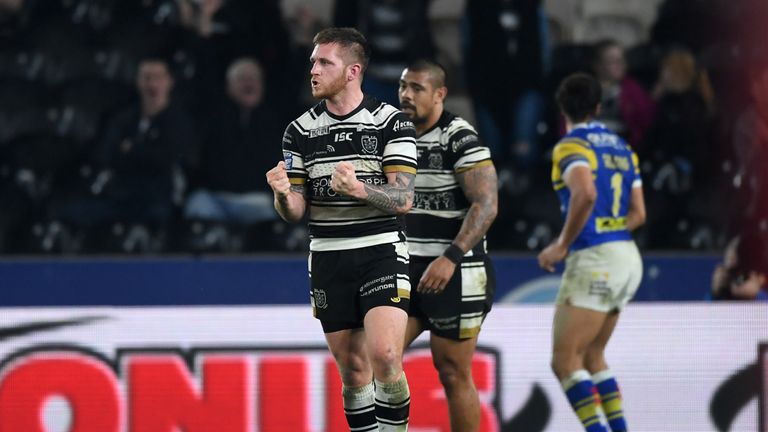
(395, 197)
(290, 201)
(480, 186)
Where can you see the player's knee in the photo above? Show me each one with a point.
(560, 363)
(453, 375)
(386, 361)
(594, 359)
(354, 369)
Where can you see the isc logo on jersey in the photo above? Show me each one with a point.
(342, 136)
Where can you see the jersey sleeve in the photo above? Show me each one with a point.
(468, 151)
(293, 156)
(637, 181)
(400, 145)
(568, 154)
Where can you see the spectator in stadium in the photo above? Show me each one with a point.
(505, 56)
(682, 134)
(734, 278)
(241, 134)
(750, 140)
(350, 163)
(626, 108)
(597, 179)
(448, 255)
(303, 25)
(142, 153)
(9, 10)
(398, 31)
(225, 30)
(750, 145)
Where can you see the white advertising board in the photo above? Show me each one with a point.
(681, 367)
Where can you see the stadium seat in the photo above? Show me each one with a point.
(567, 59)
(18, 64)
(83, 105)
(23, 109)
(625, 29)
(643, 63)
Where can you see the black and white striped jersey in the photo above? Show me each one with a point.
(450, 147)
(377, 139)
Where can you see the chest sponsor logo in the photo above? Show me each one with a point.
(434, 201)
(342, 136)
(322, 130)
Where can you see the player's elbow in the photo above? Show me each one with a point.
(638, 216)
(490, 210)
(588, 196)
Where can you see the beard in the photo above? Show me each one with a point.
(413, 114)
(326, 91)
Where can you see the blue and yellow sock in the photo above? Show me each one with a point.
(579, 390)
(611, 399)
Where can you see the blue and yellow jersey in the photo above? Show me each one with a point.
(615, 172)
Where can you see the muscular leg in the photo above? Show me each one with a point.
(349, 350)
(603, 378)
(594, 358)
(453, 361)
(574, 330)
(385, 332)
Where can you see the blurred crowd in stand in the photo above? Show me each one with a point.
(147, 126)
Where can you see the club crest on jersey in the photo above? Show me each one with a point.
(435, 160)
(370, 143)
(288, 159)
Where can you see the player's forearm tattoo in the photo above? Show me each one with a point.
(299, 189)
(292, 209)
(392, 198)
(480, 186)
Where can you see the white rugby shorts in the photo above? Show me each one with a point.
(603, 277)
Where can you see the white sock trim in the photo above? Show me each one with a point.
(358, 397)
(575, 378)
(395, 391)
(602, 376)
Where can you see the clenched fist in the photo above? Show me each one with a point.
(345, 182)
(277, 178)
